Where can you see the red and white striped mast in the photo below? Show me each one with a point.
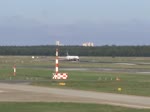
(58, 75)
(57, 62)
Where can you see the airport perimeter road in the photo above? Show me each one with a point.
(28, 93)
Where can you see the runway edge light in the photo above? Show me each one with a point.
(119, 89)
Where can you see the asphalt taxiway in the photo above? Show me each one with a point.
(29, 93)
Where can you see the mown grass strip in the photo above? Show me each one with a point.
(63, 107)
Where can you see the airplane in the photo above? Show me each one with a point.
(70, 58)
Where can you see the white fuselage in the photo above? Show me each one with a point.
(72, 58)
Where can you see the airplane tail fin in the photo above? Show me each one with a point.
(67, 53)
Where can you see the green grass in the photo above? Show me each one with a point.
(63, 107)
(104, 82)
(108, 62)
(93, 81)
(39, 72)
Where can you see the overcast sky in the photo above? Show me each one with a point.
(72, 22)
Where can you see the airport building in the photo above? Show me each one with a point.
(88, 44)
(58, 43)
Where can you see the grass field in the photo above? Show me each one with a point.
(63, 107)
(104, 82)
(39, 71)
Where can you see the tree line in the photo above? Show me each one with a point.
(49, 50)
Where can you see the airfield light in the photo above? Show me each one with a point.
(119, 89)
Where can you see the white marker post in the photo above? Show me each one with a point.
(14, 70)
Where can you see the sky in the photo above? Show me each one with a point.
(73, 22)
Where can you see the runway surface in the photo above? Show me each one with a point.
(29, 93)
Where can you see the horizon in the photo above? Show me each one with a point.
(73, 45)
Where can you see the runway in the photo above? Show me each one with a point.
(29, 93)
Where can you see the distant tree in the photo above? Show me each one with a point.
(106, 50)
